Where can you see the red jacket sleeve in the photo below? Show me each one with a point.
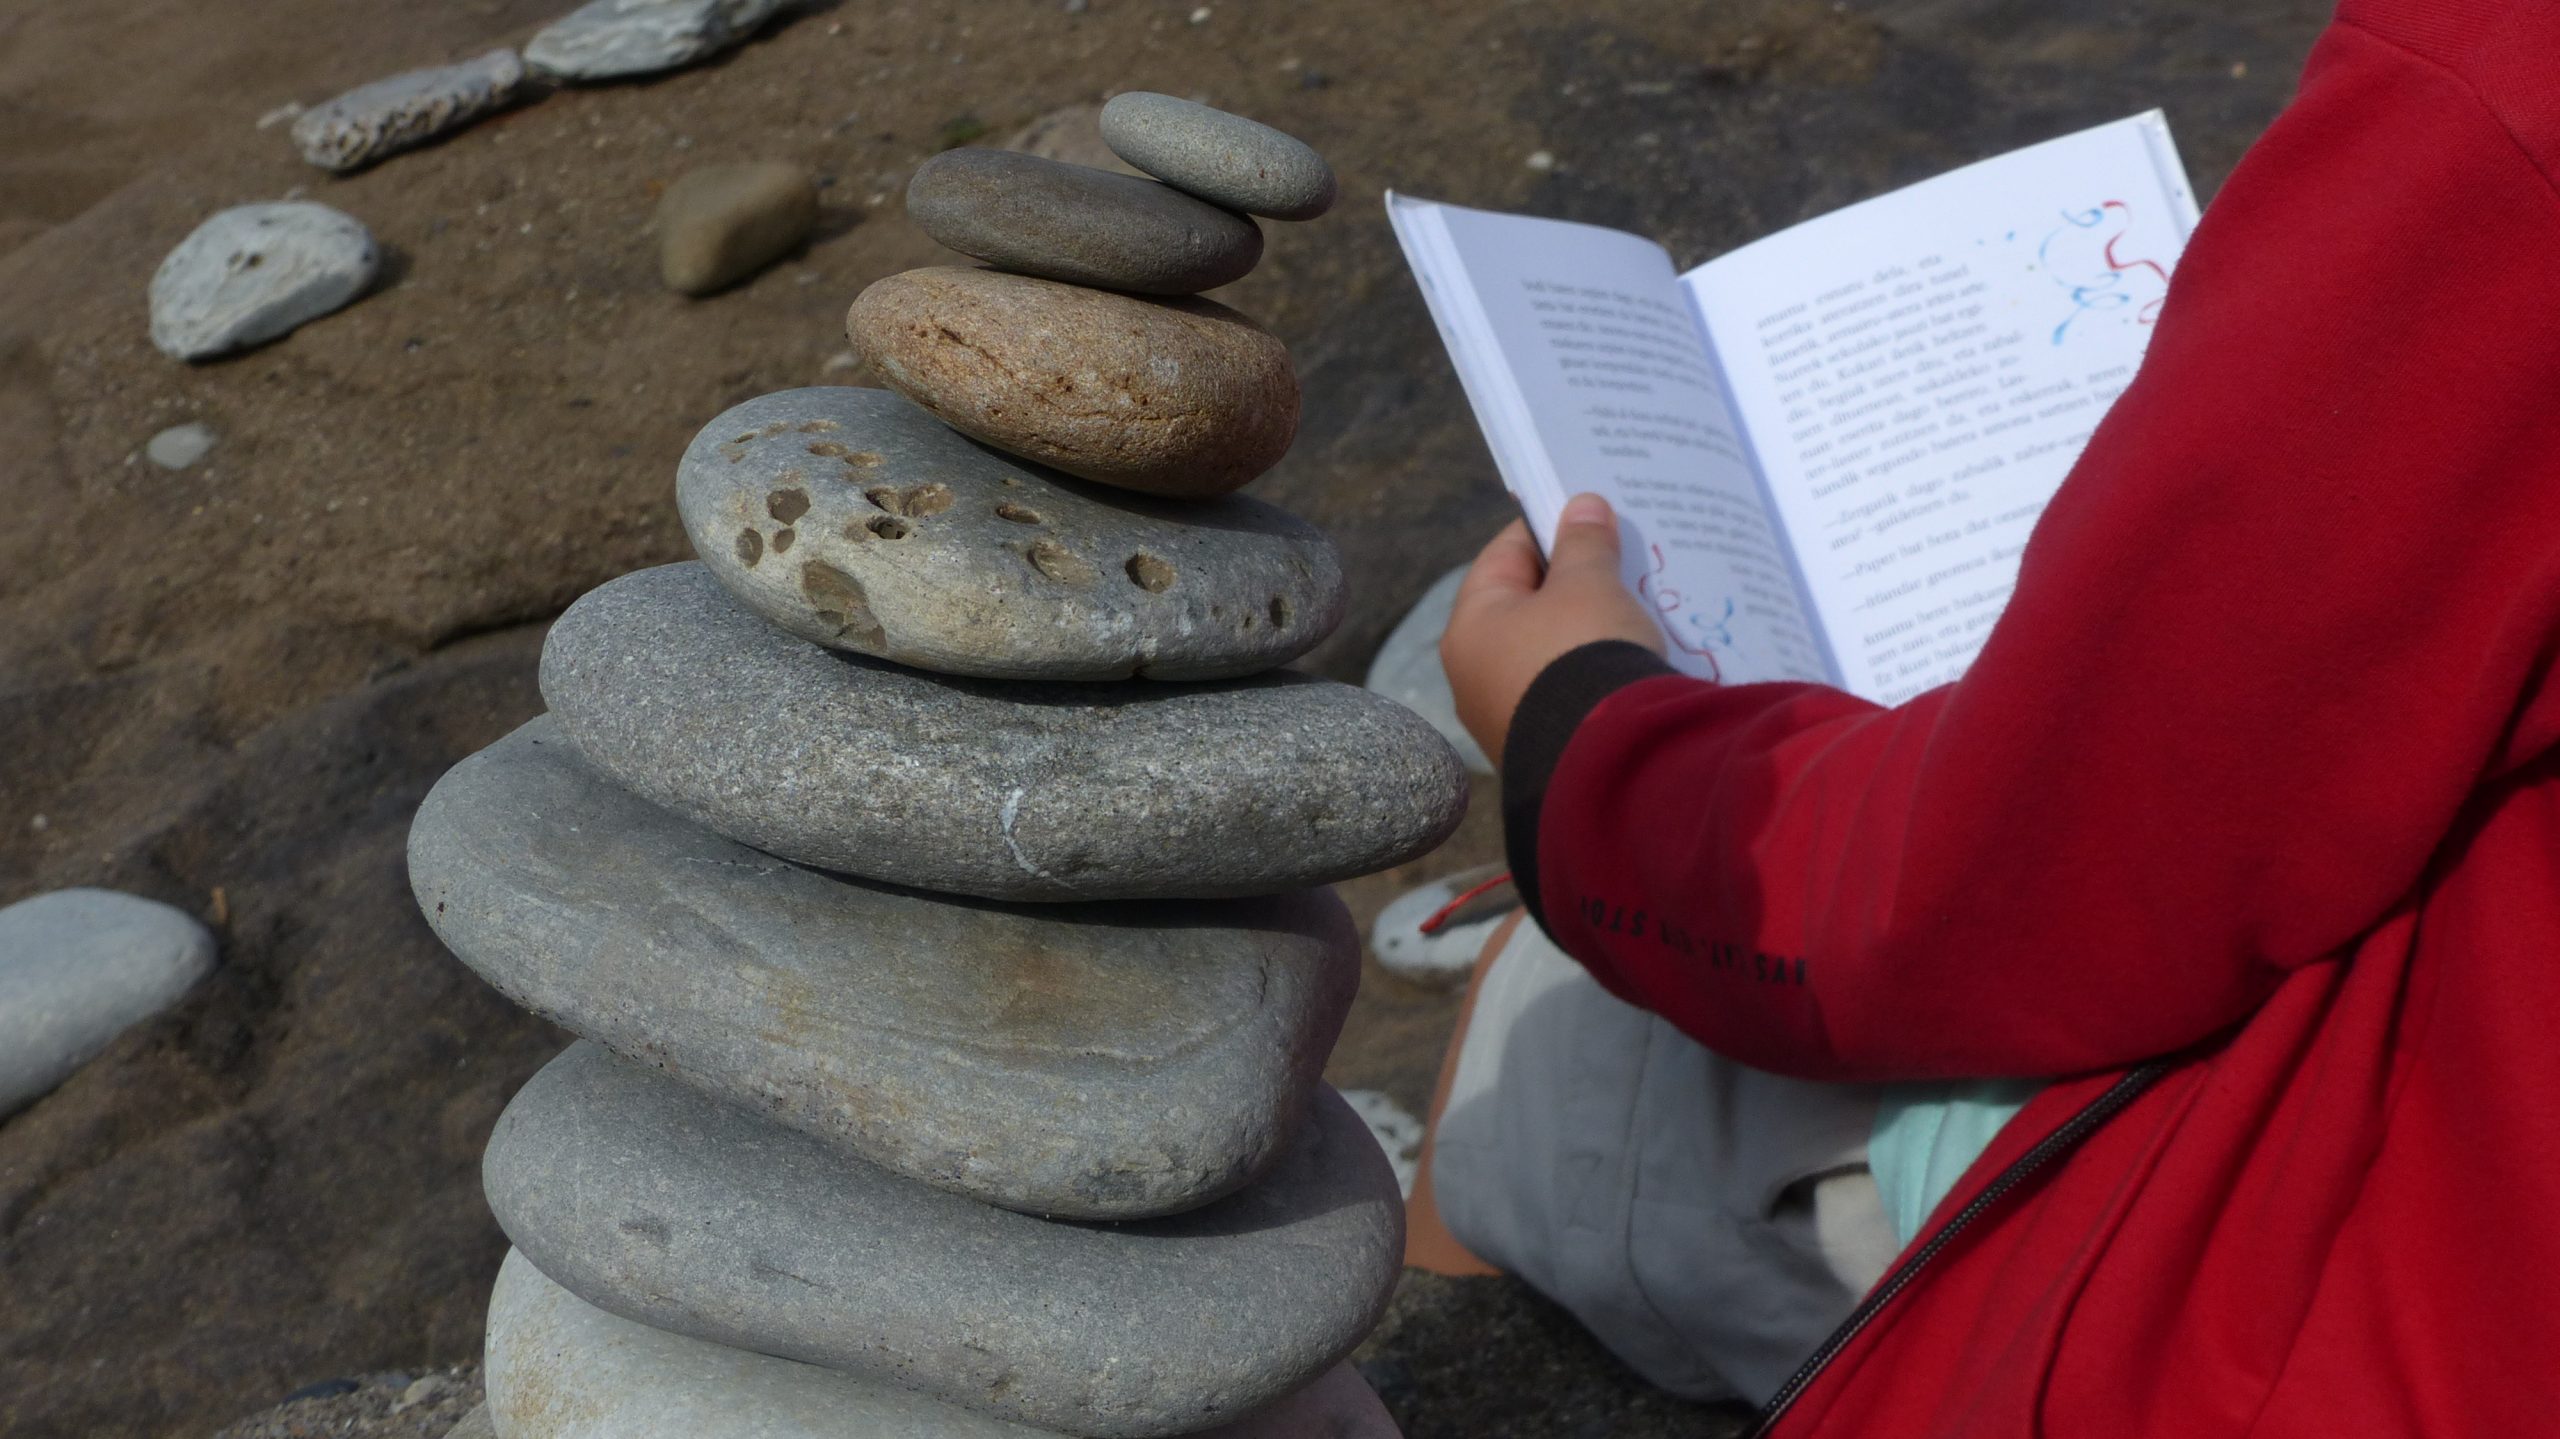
(2296, 605)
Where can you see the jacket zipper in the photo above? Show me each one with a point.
(2098, 1111)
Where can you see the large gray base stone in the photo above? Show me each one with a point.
(666, 1207)
(1090, 1061)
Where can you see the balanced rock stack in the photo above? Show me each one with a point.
(930, 873)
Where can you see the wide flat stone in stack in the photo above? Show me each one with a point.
(930, 872)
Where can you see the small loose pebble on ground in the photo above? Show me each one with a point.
(610, 39)
(179, 446)
(1395, 1128)
(372, 121)
(77, 968)
(723, 223)
(254, 272)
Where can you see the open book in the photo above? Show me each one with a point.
(1827, 447)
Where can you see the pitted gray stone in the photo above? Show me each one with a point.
(372, 121)
(1226, 159)
(1009, 791)
(1090, 1061)
(855, 519)
(659, 1204)
(253, 272)
(609, 39)
(1079, 224)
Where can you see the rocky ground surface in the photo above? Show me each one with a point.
(227, 686)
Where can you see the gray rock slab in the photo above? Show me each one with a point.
(1226, 159)
(475, 1425)
(1407, 668)
(1079, 224)
(668, 1208)
(1004, 790)
(609, 39)
(372, 121)
(723, 223)
(855, 519)
(560, 1368)
(79, 967)
(254, 272)
(1087, 1061)
(179, 446)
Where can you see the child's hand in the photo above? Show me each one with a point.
(1509, 623)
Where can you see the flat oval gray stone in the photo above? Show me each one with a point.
(855, 519)
(79, 967)
(372, 121)
(661, 1205)
(1088, 1061)
(1009, 791)
(609, 39)
(1226, 159)
(254, 272)
(561, 1368)
(1078, 224)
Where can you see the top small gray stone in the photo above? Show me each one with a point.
(608, 39)
(1078, 224)
(77, 968)
(387, 116)
(1226, 159)
(254, 272)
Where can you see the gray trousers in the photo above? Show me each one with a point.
(1711, 1224)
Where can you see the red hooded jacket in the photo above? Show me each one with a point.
(2256, 773)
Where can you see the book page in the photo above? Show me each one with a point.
(1917, 373)
(1585, 367)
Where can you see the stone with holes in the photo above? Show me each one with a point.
(564, 1369)
(1171, 397)
(1010, 791)
(1079, 224)
(372, 121)
(254, 272)
(852, 518)
(1240, 163)
(657, 1203)
(1087, 1061)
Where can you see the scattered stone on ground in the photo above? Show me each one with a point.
(723, 224)
(669, 1208)
(1079, 225)
(79, 967)
(375, 1406)
(373, 121)
(1444, 958)
(1398, 1133)
(855, 519)
(991, 788)
(1167, 396)
(612, 39)
(254, 272)
(179, 446)
(1407, 668)
(475, 1425)
(1226, 159)
(1081, 1061)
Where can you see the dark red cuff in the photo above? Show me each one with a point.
(1553, 707)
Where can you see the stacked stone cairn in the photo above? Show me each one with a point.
(931, 874)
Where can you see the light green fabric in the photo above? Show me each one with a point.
(1928, 1135)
